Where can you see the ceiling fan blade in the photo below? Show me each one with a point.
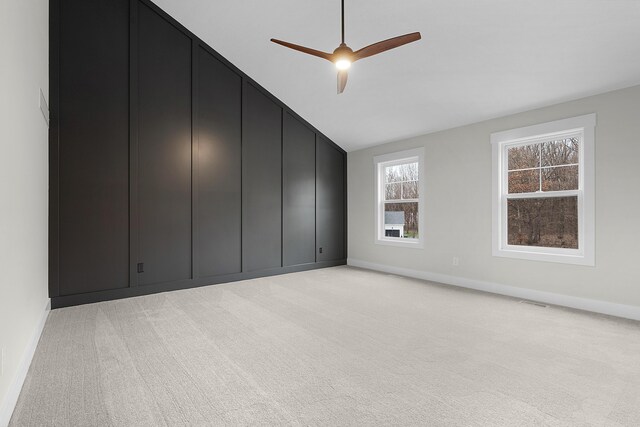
(314, 52)
(385, 45)
(342, 80)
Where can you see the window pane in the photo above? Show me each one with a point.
(392, 191)
(548, 222)
(401, 220)
(524, 156)
(393, 173)
(410, 171)
(560, 152)
(410, 190)
(560, 178)
(527, 181)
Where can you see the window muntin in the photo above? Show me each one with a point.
(544, 191)
(544, 166)
(398, 198)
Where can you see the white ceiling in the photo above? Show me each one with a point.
(477, 59)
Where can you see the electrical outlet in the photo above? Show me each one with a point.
(320, 250)
(456, 261)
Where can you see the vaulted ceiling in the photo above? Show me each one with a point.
(476, 60)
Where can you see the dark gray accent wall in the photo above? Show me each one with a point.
(93, 148)
(298, 192)
(331, 202)
(164, 150)
(171, 168)
(262, 181)
(219, 167)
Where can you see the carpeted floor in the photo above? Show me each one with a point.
(338, 346)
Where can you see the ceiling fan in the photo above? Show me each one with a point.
(344, 56)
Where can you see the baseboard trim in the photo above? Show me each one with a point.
(595, 306)
(13, 393)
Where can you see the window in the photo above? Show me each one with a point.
(399, 196)
(543, 191)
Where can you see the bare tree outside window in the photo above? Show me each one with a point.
(401, 200)
(535, 215)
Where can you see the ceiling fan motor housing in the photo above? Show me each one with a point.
(343, 52)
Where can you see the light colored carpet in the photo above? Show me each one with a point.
(338, 346)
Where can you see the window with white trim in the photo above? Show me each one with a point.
(543, 191)
(399, 198)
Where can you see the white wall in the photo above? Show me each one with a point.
(23, 184)
(458, 207)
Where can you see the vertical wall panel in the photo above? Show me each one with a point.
(298, 192)
(93, 164)
(261, 182)
(164, 149)
(219, 167)
(330, 190)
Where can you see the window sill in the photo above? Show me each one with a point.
(533, 255)
(403, 243)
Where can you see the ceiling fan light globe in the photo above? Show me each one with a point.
(343, 64)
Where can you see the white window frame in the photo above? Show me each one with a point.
(584, 128)
(380, 162)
